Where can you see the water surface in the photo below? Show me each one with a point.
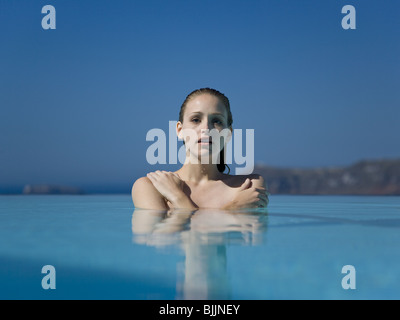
(102, 248)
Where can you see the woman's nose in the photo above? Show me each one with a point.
(206, 125)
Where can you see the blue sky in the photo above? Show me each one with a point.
(76, 102)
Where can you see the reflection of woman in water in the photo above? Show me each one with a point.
(203, 235)
(197, 184)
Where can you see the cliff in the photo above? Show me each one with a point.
(372, 177)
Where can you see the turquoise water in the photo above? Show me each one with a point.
(101, 248)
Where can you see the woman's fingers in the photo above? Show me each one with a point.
(246, 184)
(176, 175)
(166, 178)
(263, 196)
(157, 174)
(262, 203)
(152, 178)
(163, 172)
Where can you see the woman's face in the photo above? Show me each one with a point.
(204, 120)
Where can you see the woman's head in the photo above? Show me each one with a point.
(212, 92)
(203, 111)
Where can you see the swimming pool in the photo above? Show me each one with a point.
(101, 248)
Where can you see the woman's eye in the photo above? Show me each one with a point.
(217, 121)
(195, 120)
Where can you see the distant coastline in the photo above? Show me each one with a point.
(51, 189)
(367, 177)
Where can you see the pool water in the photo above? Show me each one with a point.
(102, 248)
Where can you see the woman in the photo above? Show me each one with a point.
(198, 183)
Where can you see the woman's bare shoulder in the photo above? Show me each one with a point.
(140, 183)
(146, 196)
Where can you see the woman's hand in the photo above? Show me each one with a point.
(170, 186)
(167, 183)
(248, 196)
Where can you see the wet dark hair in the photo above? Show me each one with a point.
(222, 165)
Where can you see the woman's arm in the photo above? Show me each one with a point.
(158, 190)
(258, 182)
(170, 186)
(251, 194)
(146, 196)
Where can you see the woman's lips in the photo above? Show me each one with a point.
(205, 141)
